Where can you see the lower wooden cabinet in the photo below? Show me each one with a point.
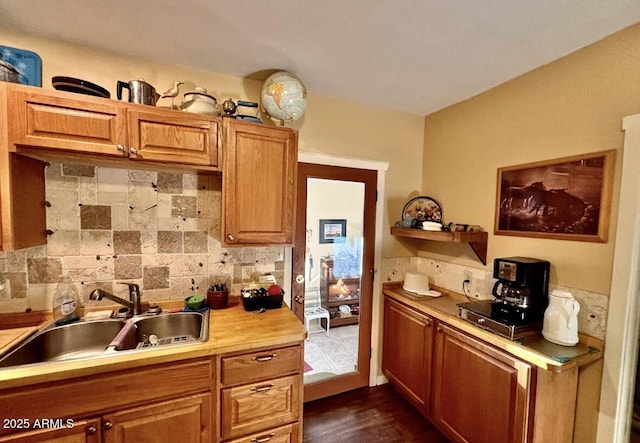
(407, 350)
(251, 396)
(82, 431)
(158, 403)
(184, 419)
(254, 407)
(261, 396)
(473, 392)
(479, 393)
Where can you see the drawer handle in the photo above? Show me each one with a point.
(263, 439)
(263, 358)
(133, 151)
(263, 388)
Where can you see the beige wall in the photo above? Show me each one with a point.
(329, 126)
(571, 106)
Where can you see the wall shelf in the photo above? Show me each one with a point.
(477, 240)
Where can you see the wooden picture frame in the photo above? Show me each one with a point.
(332, 229)
(567, 198)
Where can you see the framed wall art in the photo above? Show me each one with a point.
(567, 198)
(332, 229)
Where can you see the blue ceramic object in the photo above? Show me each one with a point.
(27, 63)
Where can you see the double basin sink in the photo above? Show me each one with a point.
(86, 339)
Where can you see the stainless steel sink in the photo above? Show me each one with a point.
(167, 329)
(76, 340)
(87, 339)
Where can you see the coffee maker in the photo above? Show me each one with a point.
(521, 292)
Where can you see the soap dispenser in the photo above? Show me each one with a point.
(65, 302)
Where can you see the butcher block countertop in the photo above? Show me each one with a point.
(230, 330)
(10, 337)
(535, 349)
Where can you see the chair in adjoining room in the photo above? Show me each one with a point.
(313, 309)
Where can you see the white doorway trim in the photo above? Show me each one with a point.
(381, 167)
(620, 359)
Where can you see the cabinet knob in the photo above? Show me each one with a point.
(91, 430)
(107, 425)
(133, 151)
(264, 439)
(230, 237)
(122, 148)
(263, 388)
(263, 358)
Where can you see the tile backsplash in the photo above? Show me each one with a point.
(592, 317)
(161, 230)
(158, 229)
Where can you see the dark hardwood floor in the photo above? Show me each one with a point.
(377, 414)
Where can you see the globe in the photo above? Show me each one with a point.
(284, 97)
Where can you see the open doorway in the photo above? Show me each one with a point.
(333, 275)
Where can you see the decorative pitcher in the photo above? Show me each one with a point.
(139, 92)
(560, 324)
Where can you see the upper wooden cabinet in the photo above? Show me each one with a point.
(259, 175)
(22, 194)
(60, 121)
(170, 136)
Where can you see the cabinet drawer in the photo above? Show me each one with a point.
(246, 368)
(259, 406)
(284, 434)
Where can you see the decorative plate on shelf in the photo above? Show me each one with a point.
(422, 208)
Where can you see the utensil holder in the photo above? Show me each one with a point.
(217, 299)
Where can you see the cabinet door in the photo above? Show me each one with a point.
(76, 431)
(259, 175)
(186, 420)
(91, 125)
(173, 137)
(480, 394)
(259, 406)
(406, 352)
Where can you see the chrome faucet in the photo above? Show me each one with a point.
(134, 297)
